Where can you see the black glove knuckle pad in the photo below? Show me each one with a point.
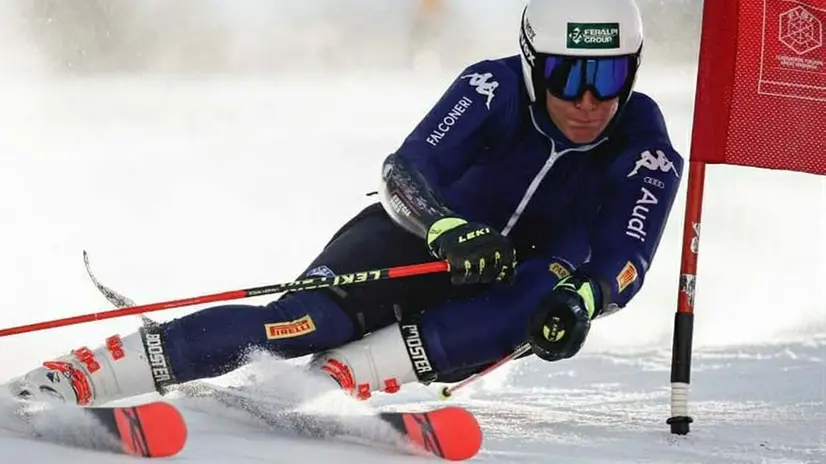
(558, 328)
(476, 254)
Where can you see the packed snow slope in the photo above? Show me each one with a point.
(182, 186)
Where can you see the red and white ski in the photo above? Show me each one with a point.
(450, 433)
(150, 430)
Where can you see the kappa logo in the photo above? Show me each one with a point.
(654, 163)
(296, 328)
(482, 86)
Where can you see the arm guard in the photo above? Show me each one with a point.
(407, 197)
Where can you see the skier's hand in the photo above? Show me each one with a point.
(559, 326)
(475, 253)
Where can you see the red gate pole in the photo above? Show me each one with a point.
(684, 318)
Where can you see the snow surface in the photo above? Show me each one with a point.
(181, 186)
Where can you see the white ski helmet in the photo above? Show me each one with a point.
(585, 32)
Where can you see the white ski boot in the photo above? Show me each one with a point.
(381, 361)
(119, 369)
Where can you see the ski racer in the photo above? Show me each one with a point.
(543, 179)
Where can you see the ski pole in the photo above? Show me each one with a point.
(295, 286)
(447, 392)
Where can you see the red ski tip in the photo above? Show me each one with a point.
(151, 430)
(451, 432)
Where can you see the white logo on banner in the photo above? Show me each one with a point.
(483, 87)
(654, 163)
(800, 30)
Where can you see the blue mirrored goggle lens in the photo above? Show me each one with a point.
(569, 78)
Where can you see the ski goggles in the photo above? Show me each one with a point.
(568, 78)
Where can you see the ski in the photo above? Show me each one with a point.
(451, 433)
(150, 430)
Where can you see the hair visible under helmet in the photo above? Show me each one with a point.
(571, 46)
